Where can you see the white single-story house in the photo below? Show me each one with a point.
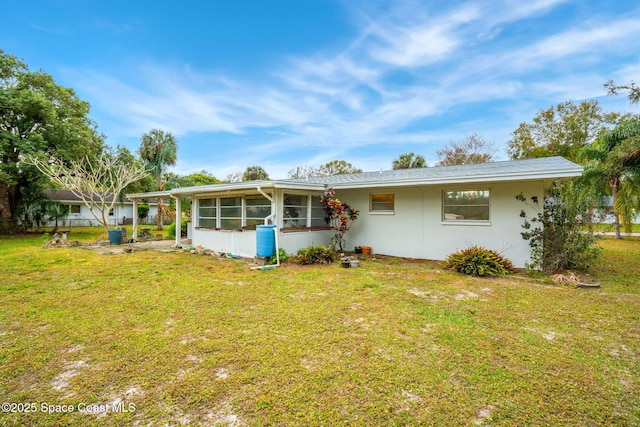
(79, 214)
(423, 213)
(606, 214)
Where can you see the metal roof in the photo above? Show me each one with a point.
(547, 168)
(510, 170)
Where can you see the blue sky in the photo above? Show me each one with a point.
(285, 83)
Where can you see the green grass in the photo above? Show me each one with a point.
(191, 340)
(610, 228)
(91, 234)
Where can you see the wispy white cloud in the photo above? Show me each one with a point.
(452, 60)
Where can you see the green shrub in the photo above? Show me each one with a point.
(316, 254)
(284, 256)
(478, 261)
(556, 234)
(171, 230)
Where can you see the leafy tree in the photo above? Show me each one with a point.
(614, 159)
(255, 173)
(471, 150)
(159, 149)
(562, 130)
(57, 211)
(96, 181)
(40, 118)
(33, 208)
(337, 167)
(634, 90)
(172, 180)
(201, 178)
(126, 157)
(409, 161)
(338, 215)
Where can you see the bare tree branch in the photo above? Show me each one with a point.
(96, 181)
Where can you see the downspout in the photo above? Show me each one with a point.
(273, 207)
(271, 218)
(178, 237)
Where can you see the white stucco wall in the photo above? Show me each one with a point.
(294, 241)
(242, 243)
(416, 228)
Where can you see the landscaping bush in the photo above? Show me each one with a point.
(171, 230)
(284, 256)
(478, 261)
(557, 234)
(316, 254)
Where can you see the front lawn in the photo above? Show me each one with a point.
(160, 339)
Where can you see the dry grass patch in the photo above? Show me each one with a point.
(191, 340)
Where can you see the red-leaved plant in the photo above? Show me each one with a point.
(338, 216)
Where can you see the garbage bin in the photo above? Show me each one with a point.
(115, 236)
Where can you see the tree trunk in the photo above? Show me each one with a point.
(614, 193)
(7, 224)
(160, 187)
(159, 214)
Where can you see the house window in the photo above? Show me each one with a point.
(74, 209)
(295, 210)
(465, 205)
(207, 213)
(302, 211)
(231, 212)
(257, 208)
(382, 203)
(318, 215)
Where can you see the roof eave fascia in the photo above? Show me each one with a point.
(535, 176)
(149, 195)
(243, 186)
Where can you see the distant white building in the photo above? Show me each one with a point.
(79, 214)
(606, 214)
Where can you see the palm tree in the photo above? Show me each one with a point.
(614, 161)
(409, 161)
(159, 150)
(254, 173)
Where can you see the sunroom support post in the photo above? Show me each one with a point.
(134, 221)
(178, 221)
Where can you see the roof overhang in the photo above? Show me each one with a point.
(550, 176)
(150, 195)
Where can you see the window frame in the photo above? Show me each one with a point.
(314, 218)
(304, 221)
(220, 208)
(245, 206)
(382, 211)
(215, 209)
(453, 221)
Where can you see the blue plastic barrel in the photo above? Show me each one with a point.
(265, 240)
(115, 237)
